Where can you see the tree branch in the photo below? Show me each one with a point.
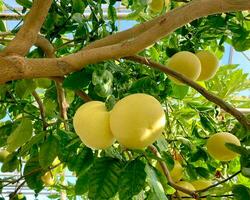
(220, 182)
(31, 68)
(41, 108)
(27, 35)
(63, 105)
(166, 171)
(209, 96)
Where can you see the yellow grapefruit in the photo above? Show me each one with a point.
(91, 123)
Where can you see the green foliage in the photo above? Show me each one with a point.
(191, 119)
(20, 135)
(132, 180)
(104, 178)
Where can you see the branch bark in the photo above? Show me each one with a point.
(209, 96)
(27, 35)
(166, 171)
(41, 108)
(15, 67)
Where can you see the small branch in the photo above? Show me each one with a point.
(8, 16)
(220, 182)
(209, 96)
(246, 56)
(63, 105)
(41, 108)
(168, 176)
(83, 95)
(16, 191)
(27, 35)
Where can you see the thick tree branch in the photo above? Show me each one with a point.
(168, 176)
(28, 68)
(209, 96)
(27, 35)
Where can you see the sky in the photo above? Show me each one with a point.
(238, 58)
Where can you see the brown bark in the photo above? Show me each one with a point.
(209, 96)
(27, 35)
(28, 68)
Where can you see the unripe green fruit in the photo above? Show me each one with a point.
(3, 155)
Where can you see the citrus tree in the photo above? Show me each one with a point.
(145, 113)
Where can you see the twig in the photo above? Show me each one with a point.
(220, 182)
(41, 108)
(16, 191)
(63, 105)
(245, 55)
(168, 176)
(209, 96)
(83, 95)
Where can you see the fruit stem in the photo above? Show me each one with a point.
(168, 176)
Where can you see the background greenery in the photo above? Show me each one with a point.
(111, 173)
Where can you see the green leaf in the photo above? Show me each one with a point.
(179, 91)
(203, 172)
(2, 26)
(155, 184)
(238, 149)
(48, 152)
(132, 180)
(24, 3)
(82, 184)
(78, 6)
(104, 178)
(10, 164)
(241, 192)
(32, 173)
(77, 80)
(34, 140)
(245, 171)
(82, 161)
(23, 88)
(207, 123)
(20, 135)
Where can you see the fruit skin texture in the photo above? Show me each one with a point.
(201, 184)
(91, 123)
(3, 155)
(186, 185)
(137, 120)
(176, 173)
(185, 63)
(48, 179)
(217, 149)
(156, 5)
(209, 65)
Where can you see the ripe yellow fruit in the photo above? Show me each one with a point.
(48, 179)
(201, 184)
(185, 63)
(176, 173)
(209, 65)
(3, 155)
(186, 185)
(156, 5)
(137, 121)
(91, 123)
(217, 149)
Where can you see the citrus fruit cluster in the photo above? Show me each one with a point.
(136, 121)
(201, 66)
